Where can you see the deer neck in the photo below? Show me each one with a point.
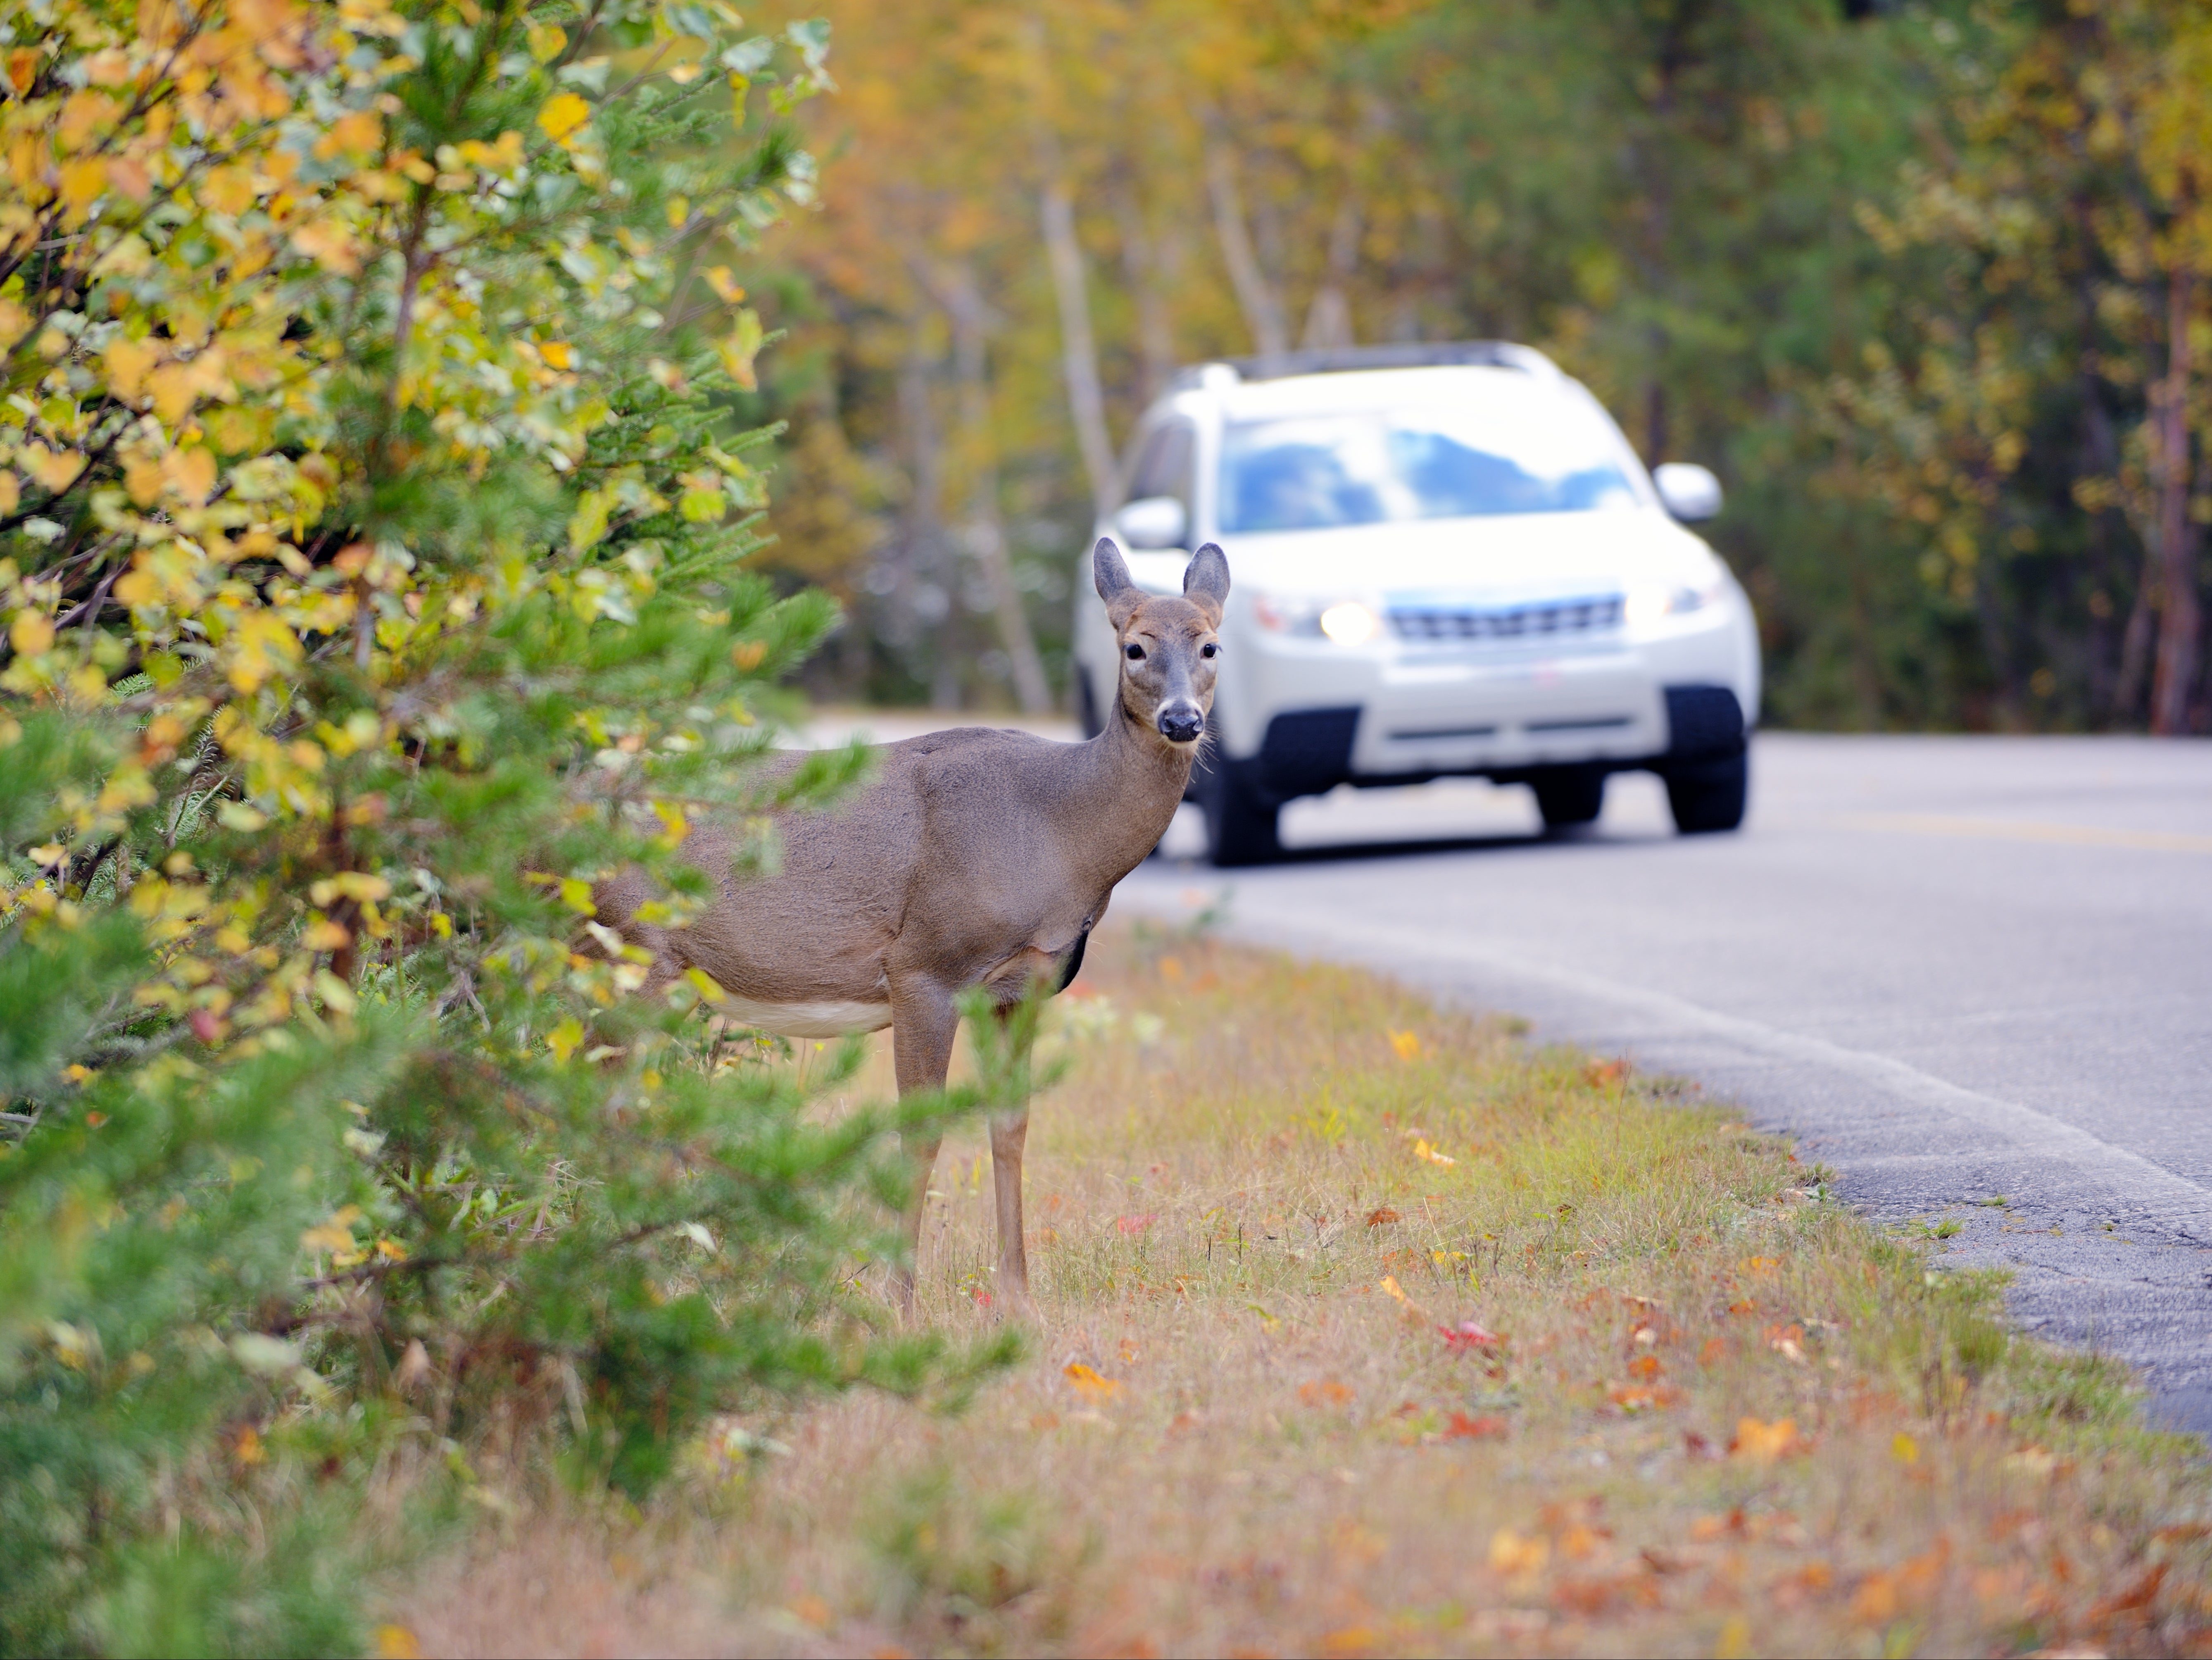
(1124, 792)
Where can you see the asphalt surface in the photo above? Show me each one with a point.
(1956, 969)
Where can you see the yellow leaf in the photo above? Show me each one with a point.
(719, 280)
(558, 353)
(31, 634)
(397, 1642)
(1904, 1448)
(336, 1234)
(56, 469)
(192, 472)
(329, 245)
(563, 1038)
(10, 492)
(128, 361)
(743, 345)
(325, 935)
(82, 182)
(546, 40)
(576, 895)
(1409, 1045)
(563, 114)
(228, 191)
(391, 1250)
(173, 386)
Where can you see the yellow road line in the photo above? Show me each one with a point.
(2019, 829)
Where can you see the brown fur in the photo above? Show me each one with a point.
(973, 857)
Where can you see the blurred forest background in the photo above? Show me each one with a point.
(1917, 280)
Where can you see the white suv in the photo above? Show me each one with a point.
(1447, 561)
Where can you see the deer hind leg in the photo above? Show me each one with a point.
(923, 1021)
(1009, 1130)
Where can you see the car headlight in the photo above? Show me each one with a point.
(1346, 621)
(1655, 602)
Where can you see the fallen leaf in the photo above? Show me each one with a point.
(1512, 1554)
(1904, 1448)
(1764, 1442)
(1407, 1044)
(1469, 1335)
(1381, 1218)
(397, 1643)
(1329, 1393)
(1134, 1224)
(1088, 1382)
(1464, 1428)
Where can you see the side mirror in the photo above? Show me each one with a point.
(1690, 492)
(1153, 521)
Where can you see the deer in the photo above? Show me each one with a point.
(973, 858)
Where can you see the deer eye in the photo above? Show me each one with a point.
(1136, 653)
(1209, 649)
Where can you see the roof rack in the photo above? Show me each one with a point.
(1411, 355)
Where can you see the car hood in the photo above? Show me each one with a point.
(1502, 557)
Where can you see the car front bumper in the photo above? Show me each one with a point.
(1305, 715)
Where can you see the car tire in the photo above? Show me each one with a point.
(1569, 796)
(1708, 795)
(1240, 823)
(1086, 706)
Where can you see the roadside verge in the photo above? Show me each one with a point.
(1368, 1330)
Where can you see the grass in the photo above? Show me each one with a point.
(1367, 1330)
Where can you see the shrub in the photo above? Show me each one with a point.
(372, 538)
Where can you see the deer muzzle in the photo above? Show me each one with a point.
(1181, 720)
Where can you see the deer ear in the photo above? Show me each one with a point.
(1115, 586)
(1205, 579)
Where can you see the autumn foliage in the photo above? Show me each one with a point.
(374, 577)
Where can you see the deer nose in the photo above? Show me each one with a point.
(1181, 721)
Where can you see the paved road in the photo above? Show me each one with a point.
(1953, 968)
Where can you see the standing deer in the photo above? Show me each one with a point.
(974, 858)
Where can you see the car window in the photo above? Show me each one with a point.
(1517, 455)
(1164, 465)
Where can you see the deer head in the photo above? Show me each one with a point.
(1168, 651)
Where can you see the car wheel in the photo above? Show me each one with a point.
(1086, 706)
(1568, 796)
(1240, 823)
(1708, 795)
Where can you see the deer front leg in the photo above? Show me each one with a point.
(923, 1021)
(1009, 1130)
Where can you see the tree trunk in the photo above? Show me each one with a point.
(1328, 319)
(2180, 619)
(923, 552)
(1263, 311)
(1079, 347)
(1140, 268)
(985, 534)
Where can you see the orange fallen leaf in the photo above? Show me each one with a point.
(1407, 1044)
(1464, 1428)
(1088, 1382)
(1510, 1554)
(1764, 1442)
(1381, 1218)
(1330, 1392)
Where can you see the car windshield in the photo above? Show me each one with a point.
(1501, 456)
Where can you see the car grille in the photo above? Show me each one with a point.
(1540, 619)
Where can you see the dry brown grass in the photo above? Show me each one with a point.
(1721, 1414)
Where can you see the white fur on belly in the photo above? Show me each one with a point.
(807, 1019)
